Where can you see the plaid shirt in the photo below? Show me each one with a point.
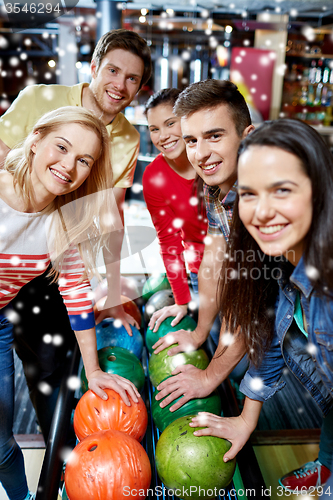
(219, 213)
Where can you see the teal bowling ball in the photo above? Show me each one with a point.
(155, 284)
(109, 333)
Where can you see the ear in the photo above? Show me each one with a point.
(33, 146)
(248, 129)
(93, 69)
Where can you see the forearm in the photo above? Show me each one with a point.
(208, 278)
(112, 254)
(251, 413)
(88, 348)
(224, 361)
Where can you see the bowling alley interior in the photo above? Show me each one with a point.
(279, 53)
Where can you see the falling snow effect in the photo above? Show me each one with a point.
(312, 272)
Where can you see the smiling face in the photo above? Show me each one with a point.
(275, 200)
(165, 131)
(62, 161)
(115, 83)
(212, 144)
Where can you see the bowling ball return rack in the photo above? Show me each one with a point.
(247, 482)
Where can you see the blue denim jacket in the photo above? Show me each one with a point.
(310, 359)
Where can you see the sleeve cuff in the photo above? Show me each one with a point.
(82, 321)
(254, 388)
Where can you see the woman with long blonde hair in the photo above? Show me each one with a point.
(55, 206)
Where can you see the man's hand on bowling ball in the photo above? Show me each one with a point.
(234, 429)
(179, 311)
(187, 341)
(188, 381)
(99, 380)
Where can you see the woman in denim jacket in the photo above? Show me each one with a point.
(277, 284)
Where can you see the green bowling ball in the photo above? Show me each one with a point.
(161, 365)
(183, 460)
(163, 416)
(187, 323)
(119, 361)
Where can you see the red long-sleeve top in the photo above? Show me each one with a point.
(180, 229)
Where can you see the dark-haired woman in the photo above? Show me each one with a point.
(277, 285)
(171, 198)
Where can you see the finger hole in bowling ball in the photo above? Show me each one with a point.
(112, 358)
(93, 447)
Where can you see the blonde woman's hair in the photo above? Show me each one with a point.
(83, 218)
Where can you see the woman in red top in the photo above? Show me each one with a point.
(171, 198)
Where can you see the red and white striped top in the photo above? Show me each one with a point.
(24, 255)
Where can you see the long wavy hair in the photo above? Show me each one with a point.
(248, 284)
(82, 217)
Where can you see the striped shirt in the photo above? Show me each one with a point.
(24, 255)
(219, 212)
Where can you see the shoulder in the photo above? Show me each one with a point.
(155, 169)
(122, 127)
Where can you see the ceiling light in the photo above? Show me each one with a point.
(228, 29)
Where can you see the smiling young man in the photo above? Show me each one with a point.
(214, 120)
(120, 66)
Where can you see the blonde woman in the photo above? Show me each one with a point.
(55, 201)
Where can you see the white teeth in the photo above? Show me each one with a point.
(57, 174)
(209, 167)
(114, 96)
(170, 145)
(271, 229)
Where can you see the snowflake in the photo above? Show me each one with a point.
(47, 338)
(58, 339)
(227, 338)
(36, 310)
(45, 388)
(117, 323)
(73, 382)
(15, 260)
(256, 384)
(311, 348)
(312, 272)
(193, 201)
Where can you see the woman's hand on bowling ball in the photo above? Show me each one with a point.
(187, 341)
(99, 380)
(234, 429)
(179, 311)
(117, 312)
(188, 382)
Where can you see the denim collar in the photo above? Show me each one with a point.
(301, 279)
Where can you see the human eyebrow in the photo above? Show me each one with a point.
(66, 140)
(70, 144)
(214, 131)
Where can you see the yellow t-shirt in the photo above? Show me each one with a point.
(36, 100)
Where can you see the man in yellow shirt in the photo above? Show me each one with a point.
(121, 65)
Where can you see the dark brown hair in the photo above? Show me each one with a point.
(248, 287)
(126, 40)
(213, 93)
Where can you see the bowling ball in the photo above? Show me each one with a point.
(187, 323)
(131, 308)
(110, 332)
(183, 460)
(163, 416)
(155, 284)
(93, 414)
(121, 362)
(156, 302)
(107, 465)
(161, 365)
